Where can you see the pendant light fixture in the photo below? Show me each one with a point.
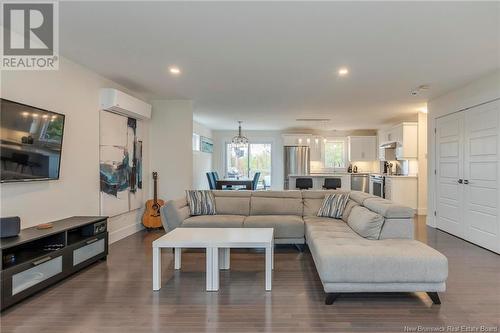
(239, 141)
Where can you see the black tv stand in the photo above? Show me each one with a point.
(37, 258)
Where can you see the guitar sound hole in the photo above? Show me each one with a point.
(156, 210)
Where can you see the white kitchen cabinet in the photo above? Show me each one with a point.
(381, 138)
(402, 190)
(406, 137)
(362, 148)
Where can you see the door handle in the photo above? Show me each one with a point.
(466, 182)
(91, 241)
(460, 181)
(41, 261)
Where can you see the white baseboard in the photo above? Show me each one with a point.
(124, 232)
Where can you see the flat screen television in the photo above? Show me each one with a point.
(30, 142)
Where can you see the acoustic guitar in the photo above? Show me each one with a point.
(151, 217)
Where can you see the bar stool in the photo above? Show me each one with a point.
(303, 183)
(332, 183)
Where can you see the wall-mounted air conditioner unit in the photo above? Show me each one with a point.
(118, 102)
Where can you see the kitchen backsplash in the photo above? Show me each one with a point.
(363, 166)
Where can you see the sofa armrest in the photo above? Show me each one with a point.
(173, 213)
(397, 228)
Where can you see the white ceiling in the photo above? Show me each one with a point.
(270, 63)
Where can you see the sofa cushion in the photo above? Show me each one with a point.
(285, 226)
(388, 209)
(347, 210)
(333, 205)
(232, 202)
(313, 199)
(360, 197)
(214, 221)
(276, 203)
(325, 227)
(365, 222)
(342, 260)
(201, 202)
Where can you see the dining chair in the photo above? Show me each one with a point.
(304, 183)
(211, 180)
(255, 180)
(332, 183)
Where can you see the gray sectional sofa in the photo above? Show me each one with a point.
(371, 249)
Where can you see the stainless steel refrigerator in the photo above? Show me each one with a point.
(296, 161)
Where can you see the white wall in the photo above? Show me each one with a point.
(422, 164)
(74, 91)
(273, 137)
(171, 146)
(202, 162)
(477, 92)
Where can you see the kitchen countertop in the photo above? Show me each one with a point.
(395, 176)
(329, 174)
(321, 175)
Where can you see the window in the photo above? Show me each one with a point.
(196, 142)
(245, 162)
(335, 154)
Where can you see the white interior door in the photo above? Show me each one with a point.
(449, 171)
(481, 175)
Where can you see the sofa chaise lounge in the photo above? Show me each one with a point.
(370, 249)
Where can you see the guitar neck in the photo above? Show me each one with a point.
(155, 191)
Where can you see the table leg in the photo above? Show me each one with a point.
(215, 269)
(177, 257)
(272, 255)
(269, 269)
(224, 258)
(212, 269)
(156, 268)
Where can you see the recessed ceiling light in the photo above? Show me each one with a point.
(174, 70)
(343, 71)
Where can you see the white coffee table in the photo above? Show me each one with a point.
(217, 242)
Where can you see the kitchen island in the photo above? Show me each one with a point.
(319, 179)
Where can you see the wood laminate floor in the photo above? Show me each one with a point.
(116, 296)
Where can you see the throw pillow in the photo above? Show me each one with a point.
(333, 205)
(365, 223)
(201, 202)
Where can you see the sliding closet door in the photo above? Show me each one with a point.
(481, 174)
(449, 173)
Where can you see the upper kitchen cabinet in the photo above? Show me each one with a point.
(362, 148)
(297, 139)
(405, 135)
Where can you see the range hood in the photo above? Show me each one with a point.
(389, 145)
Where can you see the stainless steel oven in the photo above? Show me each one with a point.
(377, 185)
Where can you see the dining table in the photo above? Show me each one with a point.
(229, 182)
